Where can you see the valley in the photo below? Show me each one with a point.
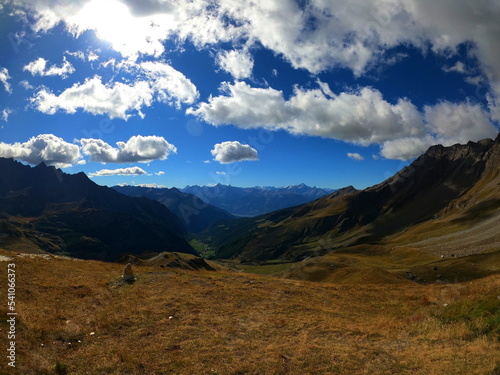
(394, 279)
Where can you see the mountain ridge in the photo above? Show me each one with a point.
(414, 195)
(254, 201)
(43, 208)
(195, 214)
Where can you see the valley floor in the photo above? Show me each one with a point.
(75, 319)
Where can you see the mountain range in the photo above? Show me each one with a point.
(194, 213)
(42, 208)
(257, 200)
(447, 201)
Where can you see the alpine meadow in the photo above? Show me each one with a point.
(265, 188)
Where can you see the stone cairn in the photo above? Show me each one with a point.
(128, 274)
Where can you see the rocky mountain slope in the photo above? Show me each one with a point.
(44, 209)
(195, 214)
(249, 202)
(454, 187)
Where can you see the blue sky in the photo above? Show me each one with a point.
(274, 92)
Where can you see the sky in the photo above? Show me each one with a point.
(263, 93)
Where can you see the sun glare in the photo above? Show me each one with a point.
(113, 22)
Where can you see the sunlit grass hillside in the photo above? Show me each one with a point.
(74, 318)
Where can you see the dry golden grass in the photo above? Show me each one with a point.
(186, 322)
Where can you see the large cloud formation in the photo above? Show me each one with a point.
(316, 36)
(232, 152)
(43, 148)
(55, 151)
(313, 35)
(157, 82)
(138, 149)
(362, 117)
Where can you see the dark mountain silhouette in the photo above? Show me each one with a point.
(451, 184)
(195, 214)
(44, 208)
(255, 201)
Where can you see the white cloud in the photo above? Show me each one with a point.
(314, 35)
(43, 148)
(114, 100)
(459, 67)
(355, 156)
(131, 171)
(77, 54)
(447, 124)
(138, 149)
(475, 81)
(92, 56)
(39, 67)
(25, 85)
(154, 186)
(4, 78)
(239, 63)
(169, 84)
(160, 173)
(6, 112)
(406, 148)
(231, 152)
(459, 122)
(361, 117)
(156, 81)
(36, 67)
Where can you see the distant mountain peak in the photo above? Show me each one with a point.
(256, 200)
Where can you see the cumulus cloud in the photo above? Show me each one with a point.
(131, 171)
(459, 122)
(315, 35)
(169, 84)
(43, 148)
(138, 149)
(39, 67)
(355, 156)
(361, 117)
(238, 63)
(406, 148)
(115, 100)
(4, 78)
(156, 82)
(447, 124)
(231, 152)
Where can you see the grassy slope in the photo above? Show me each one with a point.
(231, 323)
